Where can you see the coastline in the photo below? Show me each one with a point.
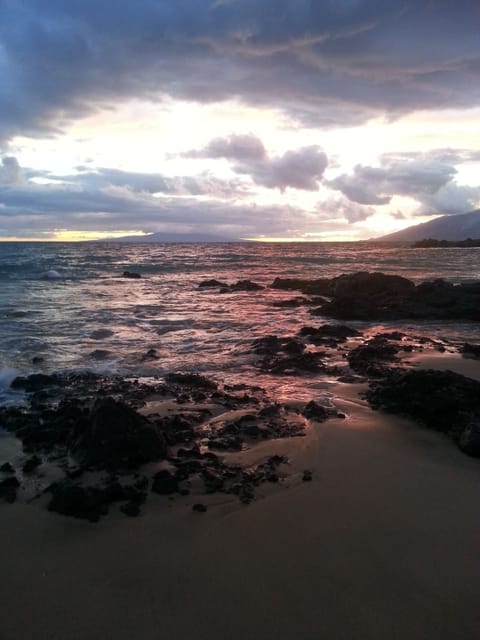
(382, 543)
(365, 527)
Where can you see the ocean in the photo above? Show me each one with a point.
(66, 307)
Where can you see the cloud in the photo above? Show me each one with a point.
(451, 199)
(44, 209)
(299, 169)
(10, 171)
(449, 156)
(154, 183)
(234, 147)
(414, 176)
(340, 207)
(109, 200)
(322, 62)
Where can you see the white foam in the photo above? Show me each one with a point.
(52, 274)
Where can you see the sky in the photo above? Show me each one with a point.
(255, 119)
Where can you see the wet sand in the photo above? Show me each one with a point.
(383, 543)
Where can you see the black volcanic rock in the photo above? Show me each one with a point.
(292, 303)
(307, 476)
(211, 284)
(320, 286)
(366, 296)
(8, 489)
(370, 358)
(245, 285)
(164, 482)
(364, 283)
(469, 439)
(443, 300)
(315, 411)
(31, 464)
(376, 296)
(88, 503)
(305, 362)
(35, 382)
(117, 435)
(267, 345)
(191, 379)
(441, 400)
(328, 333)
(94, 442)
(470, 350)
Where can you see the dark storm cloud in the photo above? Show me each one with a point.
(324, 62)
(300, 169)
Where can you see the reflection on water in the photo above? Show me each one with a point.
(64, 322)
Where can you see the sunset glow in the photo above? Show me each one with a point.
(279, 133)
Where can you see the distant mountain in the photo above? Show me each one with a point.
(173, 237)
(454, 227)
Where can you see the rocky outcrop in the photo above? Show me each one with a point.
(375, 296)
(87, 432)
(372, 357)
(470, 350)
(92, 502)
(328, 334)
(35, 382)
(375, 284)
(115, 435)
(441, 400)
(320, 286)
(8, 489)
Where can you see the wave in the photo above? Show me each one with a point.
(52, 274)
(9, 396)
(7, 376)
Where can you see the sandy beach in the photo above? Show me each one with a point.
(383, 543)
(239, 320)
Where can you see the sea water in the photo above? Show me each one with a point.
(66, 306)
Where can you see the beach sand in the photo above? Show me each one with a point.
(383, 543)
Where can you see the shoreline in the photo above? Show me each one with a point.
(383, 542)
(204, 509)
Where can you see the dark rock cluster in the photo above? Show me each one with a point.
(373, 357)
(240, 285)
(108, 448)
(90, 428)
(379, 296)
(441, 400)
(318, 287)
(372, 296)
